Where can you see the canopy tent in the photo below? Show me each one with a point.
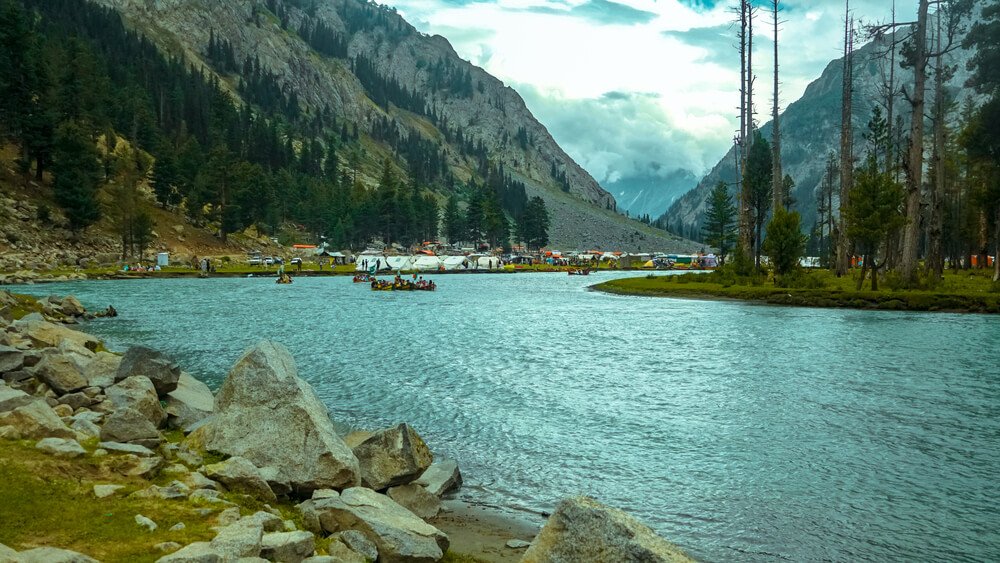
(455, 263)
(426, 263)
(399, 263)
(649, 264)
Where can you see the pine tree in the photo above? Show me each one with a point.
(719, 221)
(77, 175)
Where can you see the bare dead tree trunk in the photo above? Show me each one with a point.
(915, 164)
(746, 125)
(996, 248)
(935, 228)
(777, 178)
(846, 142)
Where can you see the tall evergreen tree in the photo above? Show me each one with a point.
(719, 221)
(77, 175)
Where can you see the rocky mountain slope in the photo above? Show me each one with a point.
(810, 130)
(376, 41)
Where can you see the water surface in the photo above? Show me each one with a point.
(740, 432)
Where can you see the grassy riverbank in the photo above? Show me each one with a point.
(964, 291)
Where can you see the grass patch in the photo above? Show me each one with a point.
(48, 501)
(962, 291)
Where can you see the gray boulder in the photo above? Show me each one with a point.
(340, 553)
(128, 425)
(189, 403)
(35, 421)
(103, 491)
(269, 522)
(582, 529)
(11, 399)
(441, 477)
(358, 543)
(394, 456)
(287, 547)
(53, 555)
(11, 359)
(120, 448)
(198, 552)
(61, 373)
(43, 334)
(239, 474)
(101, 370)
(132, 465)
(7, 555)
(137, 393)
(71, 307)
(61, 447)
(161, 370)
(416, 499)
(400, 536)
(76, 400)
(238, 540)
(85, 429)
(265, 413)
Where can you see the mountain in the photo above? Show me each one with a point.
(651, 195)
(810, 130)
(365, 65)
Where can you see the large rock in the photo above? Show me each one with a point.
(139, 360)
(61, 447)
(129, 425)
(101, 370)
(239, 540)
(401, 537)
(44, 334)
(137, 393)
(11, 398)
(198, 552)
(287, 547)
(266, 414)
(394, 456)
(61, 373)
(358, 543)
(582, 529)
(441, 477)
(11, 359)
(71, 307)
(53, 555)
(238, 474)
(189, 403)
(416, 499)
(35, 421)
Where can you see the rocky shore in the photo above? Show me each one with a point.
(253, 472)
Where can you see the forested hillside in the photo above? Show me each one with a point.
(319, 135)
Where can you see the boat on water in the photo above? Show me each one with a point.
(402, 285)
(363, 278)
(579, 272)
(283, 278)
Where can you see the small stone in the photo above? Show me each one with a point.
(269, 522)
(167, 546)
(61, 447)
(518, 544)
(52, 555)
(85, 428)
(239, 540)
(177, 527)
(198, 552)
(103, 491)
(145, 522)
(120, 448)
(206, 495)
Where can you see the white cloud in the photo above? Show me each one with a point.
(674, 60)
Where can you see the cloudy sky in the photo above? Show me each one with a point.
(637, 88)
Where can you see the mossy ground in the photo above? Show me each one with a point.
(959, 291)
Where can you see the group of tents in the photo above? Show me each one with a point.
(425, 263)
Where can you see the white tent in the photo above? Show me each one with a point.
(487, 263)
(426, 263)
(365, 262)
(455, 262)
(398, 263)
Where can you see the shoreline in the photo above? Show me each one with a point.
(478, 531)
(925, 301)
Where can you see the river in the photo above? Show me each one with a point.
(739, 432)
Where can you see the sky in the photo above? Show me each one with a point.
(639, 88)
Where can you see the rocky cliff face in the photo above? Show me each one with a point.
(486, 112)
(810, 130)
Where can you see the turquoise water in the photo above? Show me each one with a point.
(740, 432)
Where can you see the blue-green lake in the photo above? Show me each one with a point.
(740, 432)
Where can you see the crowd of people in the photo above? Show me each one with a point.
(401, 284)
